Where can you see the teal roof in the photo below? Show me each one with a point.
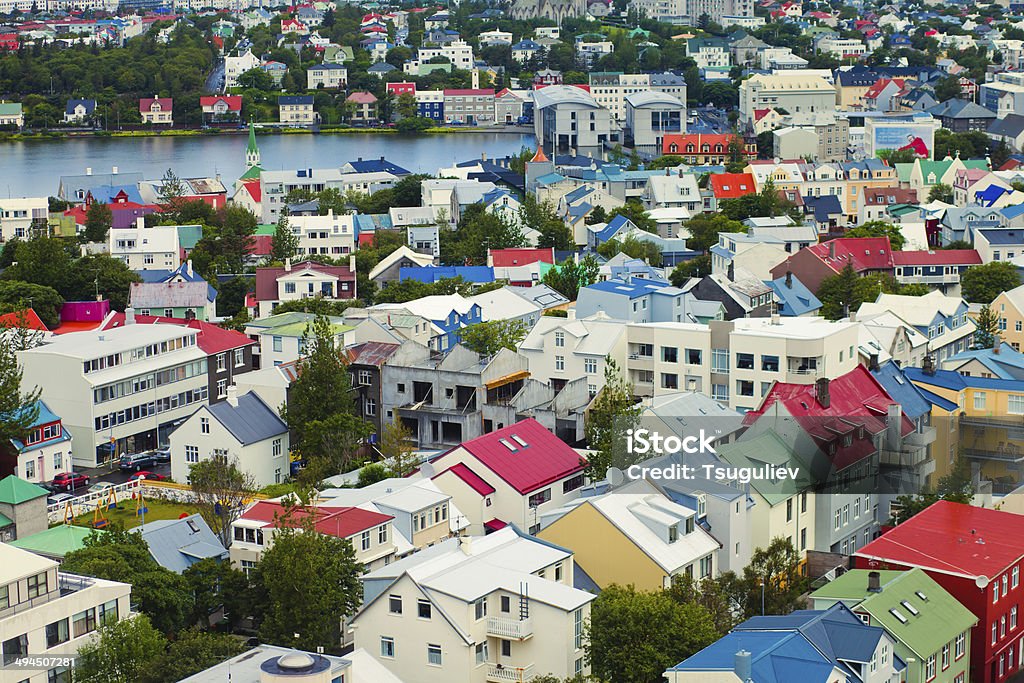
(56, 541)
(14, 490)
(189, 236)
(10, 108)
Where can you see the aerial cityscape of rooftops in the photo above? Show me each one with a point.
(529, 341)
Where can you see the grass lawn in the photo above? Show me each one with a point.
(124, 513)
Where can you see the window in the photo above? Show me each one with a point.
(590, 366)
(789, 510)
(770, 363)
(559, 362)
(572, 483)
(705, 567)
(979, 400)
(239, 357)
(1015, 404)
(1015, 577)
(577, 618)
(669, 380)
(929, 668)
(838, 520)
(1006, 585)
(222, 388)
(560, 339)
(278, 344)
(856, 508)
(364, 540)
(108, 613)
(15, 647)
(720, 360)
(204, 425)
(276, 447)
(57, 633)
(995, 631)
(370, 406)
(382, 533)
(693, 356)
(433, 655)
(744, 361)
(945, 656)
(995, 592)
(846, 514)
(423, 609)
(387, 647)
(83, 622)
(480, 609)
(505, 604)
(59, 674)
(37, 585)
(669, 354)
(481, 653)
(191, 453)
(960, 645)
(540, 498)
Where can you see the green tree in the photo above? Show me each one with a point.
(256, 79)
(98, 220)
(880, 229)
(109, 276)
(371, 474)
(554, 233)
(234, 237)
(941, 193)
(396, 448)
(634, 636)
(637, 215)
(231, 296)
(478, 231)
(220, 489)
(124, 652)
(312, 583)
(773, 579)
(16, 295)
(487, 338)
(704, 229)
(947, 88)
(41, 261)
(406, 105)
(569, 276)
(986, 328)
(843, 293)
(981, 284)
(321, 411)
(634, 248)
(191, 652)
(172, 194)
(695, 267)
(612, 413)
(721, 596)
(285, 243)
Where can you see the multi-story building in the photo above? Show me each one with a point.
(46, 449)
(146, 248)
(365, 361)
(120, 390)
(469, 106)
(567, 118)
(330, 235)
(794, 91)
(610, 89)
(813, 264)
(701, 149)
(500, 607)
(931, 629)
(641, 300)
(296, 110)
(726, 12)
(940, 269)
(157, 110)
(23, 218)
(236, 65)
(652, 115)
(276, 185)
(458, 52)
(305, 280)
(943, 319)
(49, 613)
(986, 583)
(1009, 307)
(430, 104)
(559, 350)
(282, 337)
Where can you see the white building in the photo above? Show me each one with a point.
(650, 115)
(494, 608)
(326, 76)
(567, 118)
(795, 91)
(329, 235)
(235, 66)
(50, 613)
(241, 429)
(282, 336)
(560, 350)
(275, 185)
(121, 390)
(458, 52)
(146, 248)
(610, 90)
(296, 667)
(17, 216)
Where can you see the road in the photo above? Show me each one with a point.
(116, 476)
(215, 81)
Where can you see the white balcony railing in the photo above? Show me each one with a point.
(497, 673)
(510, 629)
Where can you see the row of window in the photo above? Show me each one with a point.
(142, 383)
(144, 410)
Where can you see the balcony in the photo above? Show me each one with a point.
(496, 673)
(510, 629)
(920, 439)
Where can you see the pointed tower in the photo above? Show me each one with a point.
(536, 167)
(252, 152)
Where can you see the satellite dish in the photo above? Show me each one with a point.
(427, 470)
(615, 477)
(981, 582)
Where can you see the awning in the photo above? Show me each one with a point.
(507, 379)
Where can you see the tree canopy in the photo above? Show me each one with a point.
(981, 284)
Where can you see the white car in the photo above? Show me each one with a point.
(99, 487)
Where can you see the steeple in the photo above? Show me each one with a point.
(252, 152)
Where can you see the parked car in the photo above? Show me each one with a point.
(163, 454)
(68, 481)
(146, 474)
(59, 498)
(99, 487)
(136, 461)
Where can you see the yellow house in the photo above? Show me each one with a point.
(633, 535)
(979, 418)
(861, 175)
(1009, 308)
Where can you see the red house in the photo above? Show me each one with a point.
(975, 554)
(397, 89)
(811, 265)
(513, 264)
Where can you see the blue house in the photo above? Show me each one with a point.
(1001, 361)
(645, 301)
(448, 314)
(432, 274)
(792, 298)
(805, 645)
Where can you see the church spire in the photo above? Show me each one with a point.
(252, 152)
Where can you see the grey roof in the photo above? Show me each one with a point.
(1010, 126)
(169, 294)
(177, 544)
(961, 109)
(250, 421)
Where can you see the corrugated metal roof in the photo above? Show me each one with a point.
(177, 544)
(168, 294)
(250, 421)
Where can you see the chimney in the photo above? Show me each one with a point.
(874, 582)
(832, 249)
(894, 427)
(288, 265)
(928, 366)
(873, 362)
(140, 223)
(466, 544)
(232, 398)
(776, 319)
(352, 262)
(741, 666)
(996, 344)
(821, 394)
(129, 316)
(188, 267)
(789, 279)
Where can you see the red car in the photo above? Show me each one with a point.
(66, 481)
(145, 474)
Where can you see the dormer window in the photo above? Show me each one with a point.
(673, 533)
(689, 525)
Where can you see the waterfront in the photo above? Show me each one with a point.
(34, 167)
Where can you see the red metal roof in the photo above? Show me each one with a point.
(343, 522)
(146, 103)
(371, 353)
(254, 190)
(940, 257)
(472, 479)
(855, 399)
(520, 257)
(211, 338)
(732, 185)
(234, 102)
(362, 97)
(698, 140)
(542, 460)
(953, 538)
(266, 278)
(26, 319)
(865, 253)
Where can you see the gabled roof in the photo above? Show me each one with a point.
(233, 102)
(525, 455)
(901, 389)
(211, 338)
(519, 257)
(169, 294)
(27, 319)
(952, 538)
(14, 491)
(250, 421)
(341, 522)
(90, 106)
(732, 185)
(177, 544)
(794, 297)
(470, 478)
(266, 278)
(57, 541)
(864, 253)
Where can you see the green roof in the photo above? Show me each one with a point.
(939, 619)
(903, 172)
(5, 521)
(939, 168)
(294, 324)
(976, 163)
(299, 329)
(252, 173)
(189, 235)
(767, 448)
(10, 108)
(251, 147)
(56, 541)
(14, 491)
(266, 229)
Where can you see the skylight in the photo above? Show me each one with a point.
(899, 615)
(507, 445)
(519, 440)
(921, 595)
(910, 608)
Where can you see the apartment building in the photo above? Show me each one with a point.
(282, 337)
(120, 390)
(296, 110)
(276, 185)
(736, 362)
(369, 532)
(641, 300)
(458, 52)
(51, 613)
(146, 248)
(500, 607)
(568, 118)
(1009, 306)
(943, 319)
(795, 91)
(469, 106)
(331, 235)
(22, 217)
(610, 89)
(650, 116)
(558, 350)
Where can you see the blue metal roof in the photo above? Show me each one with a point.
(377, 166)
(619, 222)
(937, 400)
(45, 416)
(106, 193)
(796, 298)
(250, 421)
(1013, 211)
(1005, 363)
(177, 544)
(90, 106)
(431, 274)
(295, 99)
(1003, 235)
(948, 379)
(634, 289)
(902, 390)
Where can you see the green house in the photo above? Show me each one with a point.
(932, 630)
